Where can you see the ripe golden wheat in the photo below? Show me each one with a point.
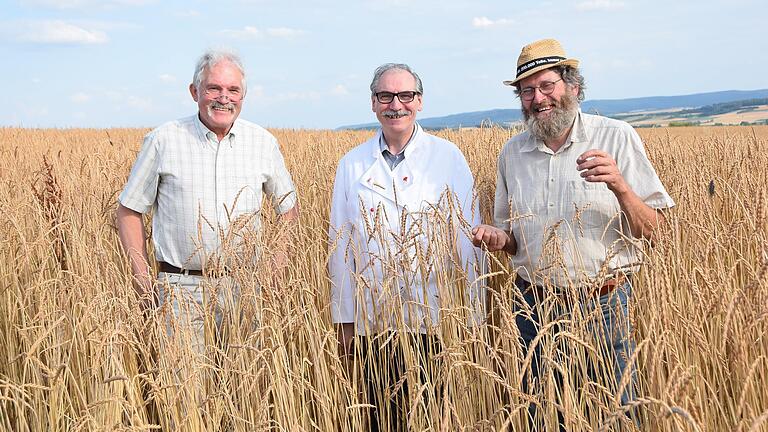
(75, 353)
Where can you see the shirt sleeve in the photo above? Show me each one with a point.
(472, 258)
(279, 185)
(140, 191)
(639, 174)
(341, 264)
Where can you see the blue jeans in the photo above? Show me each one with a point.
(610, 326)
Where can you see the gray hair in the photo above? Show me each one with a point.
(570, 75)
(213, 57)
(381, 70)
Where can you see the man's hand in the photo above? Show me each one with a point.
(494, 238)
(344, 333)
(599, 166)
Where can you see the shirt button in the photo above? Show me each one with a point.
(551, 205)
(551, 180)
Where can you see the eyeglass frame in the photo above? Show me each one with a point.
(377, 95)
(216, 92)
(540, 88)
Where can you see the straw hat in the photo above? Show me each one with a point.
(540, 55)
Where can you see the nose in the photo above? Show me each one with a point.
(538, 96)
(395, 104)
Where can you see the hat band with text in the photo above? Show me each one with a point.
(538, 62)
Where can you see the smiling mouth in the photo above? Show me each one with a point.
(220, 107)
(396, 114)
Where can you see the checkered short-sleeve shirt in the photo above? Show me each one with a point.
(566, 228)
(197, 186)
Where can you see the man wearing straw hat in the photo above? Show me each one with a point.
(575, 194)
(401, 253)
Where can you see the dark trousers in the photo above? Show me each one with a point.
(393, 364)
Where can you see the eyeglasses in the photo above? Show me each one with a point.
(403, 97)
(215, 92)
(547, 87)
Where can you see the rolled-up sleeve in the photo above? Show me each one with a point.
(279, 185)
(140, 192)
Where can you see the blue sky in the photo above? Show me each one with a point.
(127, 63)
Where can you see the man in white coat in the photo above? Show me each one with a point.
(400, 249)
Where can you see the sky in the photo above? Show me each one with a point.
(128, 63)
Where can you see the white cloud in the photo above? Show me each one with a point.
(57, 32)
(83, 4)
(485, 22)
(80, 97)
(167, 78)
(591, 5)
(339, 90)
(251, 32)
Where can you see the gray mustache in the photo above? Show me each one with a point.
(230, 106)
(401, 112)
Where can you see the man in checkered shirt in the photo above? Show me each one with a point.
(204, 178)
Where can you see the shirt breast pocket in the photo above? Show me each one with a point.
(593, 207)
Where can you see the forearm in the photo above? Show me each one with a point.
(644, 221)
(287, 226)
(130, 228)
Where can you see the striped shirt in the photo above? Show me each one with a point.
(203, 190)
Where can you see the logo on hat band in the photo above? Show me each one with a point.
(538, 62)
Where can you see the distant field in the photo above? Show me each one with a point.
(666, 117)
(75, 353)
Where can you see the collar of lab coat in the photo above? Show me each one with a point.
(393, 184)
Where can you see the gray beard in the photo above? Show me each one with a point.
(558, 123)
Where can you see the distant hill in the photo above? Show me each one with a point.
(639, 111)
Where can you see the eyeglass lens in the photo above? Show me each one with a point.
(388, 97)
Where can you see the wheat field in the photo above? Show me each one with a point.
(77, 354)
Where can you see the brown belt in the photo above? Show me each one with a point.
(169, 268)
(607, 288)
(612, 284)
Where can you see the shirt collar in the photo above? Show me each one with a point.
(207, 135)
(383, 142)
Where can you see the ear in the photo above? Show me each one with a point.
(193, 91)
(574, 90)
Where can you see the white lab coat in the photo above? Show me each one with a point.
(396, 238)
